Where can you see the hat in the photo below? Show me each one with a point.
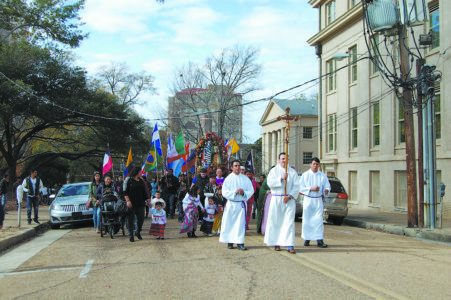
(203, 170)
(242, 168)
(159, 201)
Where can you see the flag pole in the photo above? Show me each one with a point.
(252, 157)
(112, 166)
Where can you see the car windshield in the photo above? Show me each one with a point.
(336, 187)
(74, 190)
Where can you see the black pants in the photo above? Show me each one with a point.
(139, 213)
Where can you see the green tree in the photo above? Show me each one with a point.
(48, 111)
(45, 20)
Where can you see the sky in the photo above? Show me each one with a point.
(159, 38)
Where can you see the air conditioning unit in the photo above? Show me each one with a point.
(412, 12)
(382, 15)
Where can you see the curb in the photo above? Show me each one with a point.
(21, 236)
(400, 230)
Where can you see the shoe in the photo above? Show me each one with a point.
(36, 221)
(210, 234)
(277, 248)
(292, 251)
(132, 239)
(307, 243)
(29, 222)
(253, 215)
(193, 235)
(162, 238)
(138, 235)
(189, 234)
(321, 244)
(241, 247)
(158, 237)
(6, 213)
(230, 246)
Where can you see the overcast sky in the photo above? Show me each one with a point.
(159, 38)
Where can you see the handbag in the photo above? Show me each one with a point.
(89, 204)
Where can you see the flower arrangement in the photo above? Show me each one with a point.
(218, 152)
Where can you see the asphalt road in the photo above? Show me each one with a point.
(75, 263)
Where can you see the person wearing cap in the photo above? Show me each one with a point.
(282, 208)
(243, 170)
(237, 189)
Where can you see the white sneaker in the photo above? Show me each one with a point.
(210, 234)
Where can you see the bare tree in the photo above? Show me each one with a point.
(213, 92)
(117, 79)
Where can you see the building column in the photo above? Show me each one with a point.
(264, 149)
(274, 148)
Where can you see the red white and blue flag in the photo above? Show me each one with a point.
(107, 162)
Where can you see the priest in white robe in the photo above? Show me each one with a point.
(314, 185)
(237, 189)
(282, 209)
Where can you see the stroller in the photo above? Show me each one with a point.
(110, 219)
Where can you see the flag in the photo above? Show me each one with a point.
(185, 158)
(177, 148)
(156, 140)
(233, 147)
(130, 165)
(153, 159)
(143, 169)
(190, 162)
(249, 164)
(107, 162)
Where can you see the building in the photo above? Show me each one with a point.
(303, 144)
(198, 111)
(363, 138)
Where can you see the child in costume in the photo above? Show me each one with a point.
(209, 217)
(158, 219)
(220, 203)
(190, 204)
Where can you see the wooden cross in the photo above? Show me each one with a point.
(288, 120)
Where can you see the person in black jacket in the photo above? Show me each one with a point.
(169, 184)
(136, 196)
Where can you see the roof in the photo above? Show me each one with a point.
(299, 107)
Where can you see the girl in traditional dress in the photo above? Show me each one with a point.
(190, 204)
(209, 217)
(158, 220)
(220, 202)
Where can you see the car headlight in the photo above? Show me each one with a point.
(55, 207)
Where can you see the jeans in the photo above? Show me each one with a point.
(2, 215)
(32, 202)
(181, 212)
(171, 204)
(4, 199)
(139, 213)
(97, 216)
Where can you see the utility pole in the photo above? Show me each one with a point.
(412, 208)
(419, 65)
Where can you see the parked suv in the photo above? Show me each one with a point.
(336, 203)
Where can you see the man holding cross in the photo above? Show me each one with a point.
(282, 209)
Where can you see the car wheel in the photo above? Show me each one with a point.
(54, 226)
(338, 220)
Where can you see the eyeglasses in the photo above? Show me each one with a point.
(236, 166)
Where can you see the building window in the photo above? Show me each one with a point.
(401, 124)
(376, 126)
(375, 53)
(331, 66)
(434, 24)
(401, 189)
(330, 12)
(354, 128)
(353, 64)
(437, 106)
(307, 133)
(375, 188)
(307, 158)
(332, 132)
(353, 3)
(353, 186)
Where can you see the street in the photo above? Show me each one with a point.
(75, 263)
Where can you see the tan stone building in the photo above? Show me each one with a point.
(195, 112)
(363, 140)
(303, 133)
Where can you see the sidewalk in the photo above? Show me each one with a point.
(392, 223)
(11, 234)
(396, 223)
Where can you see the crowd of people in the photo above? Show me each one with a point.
(222, 202)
